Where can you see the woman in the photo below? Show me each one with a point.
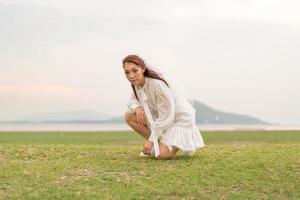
(159, 114)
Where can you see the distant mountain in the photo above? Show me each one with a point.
(79, 115)
(204, 115)
(208, 115)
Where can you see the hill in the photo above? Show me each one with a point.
(208, 115)
(204, 115)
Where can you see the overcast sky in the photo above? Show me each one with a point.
(239, 56)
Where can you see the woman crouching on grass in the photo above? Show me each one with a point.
(163, 117)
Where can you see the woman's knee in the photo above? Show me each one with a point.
(128, 116)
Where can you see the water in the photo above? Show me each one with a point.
(55, 126)
(91, 126)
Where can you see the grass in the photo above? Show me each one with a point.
(106, 165)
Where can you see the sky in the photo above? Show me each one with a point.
(239, 56)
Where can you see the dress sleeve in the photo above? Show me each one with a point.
(133, 103)
(165, 106)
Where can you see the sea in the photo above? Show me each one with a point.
(94, 126)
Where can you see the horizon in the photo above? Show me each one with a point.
(94, 116)
(235, 56)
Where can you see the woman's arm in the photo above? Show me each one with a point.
(133, 103)
(165, 106)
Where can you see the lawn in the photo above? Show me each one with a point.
(106, 165)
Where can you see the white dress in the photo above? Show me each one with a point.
(171, 117)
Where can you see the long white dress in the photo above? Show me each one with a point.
(171, 117)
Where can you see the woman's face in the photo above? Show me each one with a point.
(134, 73)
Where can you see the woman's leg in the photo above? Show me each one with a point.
(165, 153)
(131, 120)
(144, 131)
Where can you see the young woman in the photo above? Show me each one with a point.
(158, 113)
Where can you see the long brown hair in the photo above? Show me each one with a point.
(148, 72)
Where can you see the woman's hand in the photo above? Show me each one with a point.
(147, 147)
(141, 116)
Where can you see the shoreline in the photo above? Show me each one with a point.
(84, 127)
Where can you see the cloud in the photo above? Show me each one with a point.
(56, 56)
(16, 91)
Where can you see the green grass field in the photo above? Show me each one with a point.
(106, 165)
